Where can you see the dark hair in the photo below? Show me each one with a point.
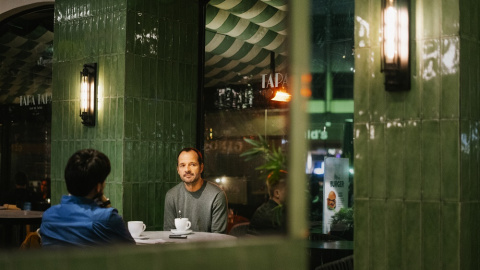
(85, 169)
(275, 180)
(188, 149)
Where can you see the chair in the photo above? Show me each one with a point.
(32, 241)
(342, 264)
(239, 229)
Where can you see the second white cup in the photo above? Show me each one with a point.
(182, 224)
(136, 228)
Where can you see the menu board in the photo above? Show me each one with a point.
(335, 189)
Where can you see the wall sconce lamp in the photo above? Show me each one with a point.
(88, 84)
(396, 45)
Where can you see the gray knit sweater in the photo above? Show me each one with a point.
(205, 208)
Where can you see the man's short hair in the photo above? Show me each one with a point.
(188, 149)
(85, 169)
(276, 179)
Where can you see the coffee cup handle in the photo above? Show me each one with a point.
(144, 227)
(188, 224)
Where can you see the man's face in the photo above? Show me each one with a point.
(188, 167)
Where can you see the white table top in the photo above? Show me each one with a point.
(158, 237)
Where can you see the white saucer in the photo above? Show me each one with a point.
(175, 231)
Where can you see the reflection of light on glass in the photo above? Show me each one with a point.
(224, 180)
(100, 97)
(350, 171)
(390, 34)
(217, 180)
(309, 166)
(449, 58)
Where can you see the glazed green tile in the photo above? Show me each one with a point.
(141, 211)
(393, 234)
(464, 82)
(377, 161)
(146, 92)
(167, 111)
(475, 160)
(395, 145)
(102, 123)
(130, 86)
(151, 160)
(137, 74)
(182, 91)
(466, 233)
(431, 82)
(119, 160)
(450, 17)
(431, 235)
(142, 160)
(465, 160)
(450, 244)
(431, 12)
(161, 38)
(127, 201)
(137, 119)
(160, 80)
(129, 118)
(151, 84)
(130, 32)
(413, 177)
(431, 153)
(150, 125)
(378, 102)
(362, 24)
(138, 35)
(412, 235)
(474, 75)
(395, 105)
(449, 130)
(118, 119)
(450, 94)
(377, 229)
(413, 97)
(159, 120)
(361, 232)
(361, 86)
(362, 179)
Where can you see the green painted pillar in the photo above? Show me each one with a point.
(417, 191)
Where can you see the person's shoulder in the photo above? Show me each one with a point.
(175, 189)
(213, 187)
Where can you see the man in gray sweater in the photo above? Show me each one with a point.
(202, 202)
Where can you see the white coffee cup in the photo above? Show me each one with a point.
(136, 228)
(182, 224)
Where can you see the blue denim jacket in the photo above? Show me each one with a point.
(78, 221)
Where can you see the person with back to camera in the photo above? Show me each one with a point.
(269, 218)
(85, 216)
(202, 202)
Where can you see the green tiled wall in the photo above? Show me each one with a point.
(417, 191)
(147, 83)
